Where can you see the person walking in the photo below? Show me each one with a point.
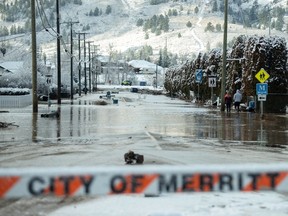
(228, 101)
(237, 100)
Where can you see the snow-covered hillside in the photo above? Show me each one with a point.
(119, 29)
(118, 32)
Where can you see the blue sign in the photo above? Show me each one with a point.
(262, 88)
(199, 75)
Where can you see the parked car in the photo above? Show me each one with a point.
(126, 82)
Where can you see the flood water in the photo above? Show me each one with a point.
(84, 122)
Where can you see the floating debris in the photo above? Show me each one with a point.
(101, 102)
(6, 125)
(131, 158)
(52, 114)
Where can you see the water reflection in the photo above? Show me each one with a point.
(34, 127)
(84, 120)
(58, 122)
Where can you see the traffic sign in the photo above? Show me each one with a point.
(262, 97)
(262, 75)
(262, 88)
(212, 81)
(199, 75)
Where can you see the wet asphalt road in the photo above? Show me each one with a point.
(168, 131)
(164, 130)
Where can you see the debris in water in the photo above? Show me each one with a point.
(6, 125)
(130, 157)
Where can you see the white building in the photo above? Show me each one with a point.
(10, 67)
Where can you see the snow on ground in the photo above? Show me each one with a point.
(216, 204)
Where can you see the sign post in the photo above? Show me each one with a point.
(212, 84)
(198, 79)
(49, 81)
(262, 88)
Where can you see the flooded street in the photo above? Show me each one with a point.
(166, 131)
(146, 123)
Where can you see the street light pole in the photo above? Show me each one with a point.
(223, 81)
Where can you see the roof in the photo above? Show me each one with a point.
(104, 59)
(141, 64)
(11, 66)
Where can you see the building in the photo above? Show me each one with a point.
(144, 67)
(10, 67)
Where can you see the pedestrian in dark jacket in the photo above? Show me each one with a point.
(228, 101)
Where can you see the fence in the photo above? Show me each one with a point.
(15, 101)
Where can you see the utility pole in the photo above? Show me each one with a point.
(71, 57)
(58, 54)
(79, 67)
(85, 73)
(34, 58)
(95, 80)
(89, 50)
(223, 81)
(92, 70)
(156, 78)
(79, 64)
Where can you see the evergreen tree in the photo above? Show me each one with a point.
(96, 12)
(146, 26)
(215, 7)
(189, 24)
(209, 27)
(108, 9)
(165, 24)
(3, 51)
(279, 24)
(4, 31)
(140, 22)
(78, 2)
(158, 31)
(253, 12)
(174, 12)
(218, 27)
(264, 17)
(146, 35)
(13, 30)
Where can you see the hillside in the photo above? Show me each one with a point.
(118, 32)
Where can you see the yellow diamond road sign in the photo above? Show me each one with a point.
(262, 75)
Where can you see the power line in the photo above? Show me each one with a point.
(45, 16)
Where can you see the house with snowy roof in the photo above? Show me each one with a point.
(104, 64)
(10, 67)
(144, 67)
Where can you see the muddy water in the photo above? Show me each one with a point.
(86, 122)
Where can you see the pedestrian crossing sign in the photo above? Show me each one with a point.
(262, 75)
